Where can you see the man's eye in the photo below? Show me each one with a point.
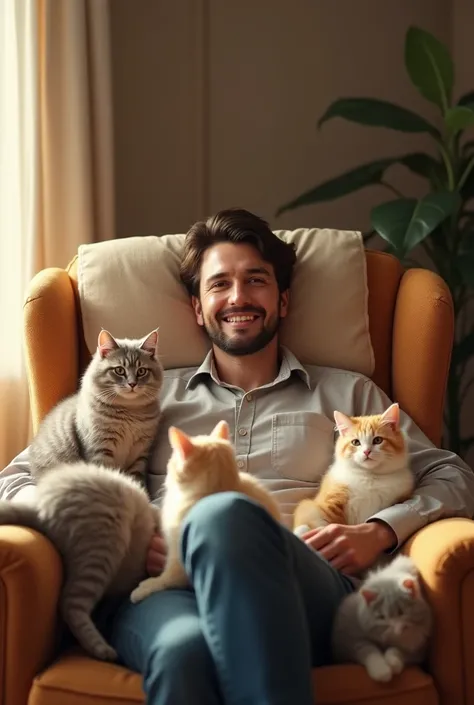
(256, 280)
(218, 285)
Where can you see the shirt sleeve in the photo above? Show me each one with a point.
(16, 477)
(444, 484)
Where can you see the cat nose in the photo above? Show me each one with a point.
(366, 453)
(132, 384)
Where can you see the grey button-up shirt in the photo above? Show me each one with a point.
(284, 434)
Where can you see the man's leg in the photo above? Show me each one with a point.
(161, 638)
(254, 604)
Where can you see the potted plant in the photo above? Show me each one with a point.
(441, 222)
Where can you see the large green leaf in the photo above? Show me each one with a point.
(378, 113)
(429, 66)
(421, 164)
(405, 222)
(459, 118)
(353, 180)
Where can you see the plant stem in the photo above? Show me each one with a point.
(391, 188)
(448, 165)
(466, 173)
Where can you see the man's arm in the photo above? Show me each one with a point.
(16, 482)
(444, 483)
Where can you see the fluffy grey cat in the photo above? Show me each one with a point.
(113, 419)
(101, 521)
(386, 623)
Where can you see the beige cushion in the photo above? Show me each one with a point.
(130, 286)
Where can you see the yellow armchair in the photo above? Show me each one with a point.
(411, 324)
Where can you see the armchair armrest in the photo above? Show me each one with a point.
(444, 554)
(30, 581)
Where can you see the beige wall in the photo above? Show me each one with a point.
(216, 103)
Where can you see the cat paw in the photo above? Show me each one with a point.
(379, 671)
(301, 529)
(145, 588)
(395, 660)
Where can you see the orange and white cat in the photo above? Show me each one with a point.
(370, 472)
(198, 467)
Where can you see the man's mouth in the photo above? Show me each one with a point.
(242, 318)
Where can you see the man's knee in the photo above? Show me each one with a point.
(225, 524)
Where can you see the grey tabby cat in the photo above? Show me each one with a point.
(113, 419)
(386, 623)
(101, 521)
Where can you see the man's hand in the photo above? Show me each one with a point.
(156, 557)
(351, 549)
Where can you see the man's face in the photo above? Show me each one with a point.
(239, 304)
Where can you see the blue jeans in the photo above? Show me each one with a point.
(258, 618)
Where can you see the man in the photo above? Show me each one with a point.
(260, 614)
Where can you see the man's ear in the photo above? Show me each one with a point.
(196, 304)
(284, 301)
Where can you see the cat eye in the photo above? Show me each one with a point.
(141, 372)
(355, 442)
(120, 371)
(377, 441)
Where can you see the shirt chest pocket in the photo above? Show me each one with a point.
(302, 445)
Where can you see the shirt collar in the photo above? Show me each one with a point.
(289, 364)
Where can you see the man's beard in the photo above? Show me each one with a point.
(233, 345)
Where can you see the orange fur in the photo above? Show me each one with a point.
(331, 503)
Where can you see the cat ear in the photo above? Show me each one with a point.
(410, 586)
(368, 595)
(343, 423)
(180, 442)
(150, 344)
(106, 343)
(392, 417)
(221, 431)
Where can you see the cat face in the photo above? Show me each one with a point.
(393, 609)
(202, 465)
(126, 369)
(373, 443)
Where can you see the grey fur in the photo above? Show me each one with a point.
(101, 521)
(106, 422)
(391, 630)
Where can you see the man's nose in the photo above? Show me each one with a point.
(237, 294)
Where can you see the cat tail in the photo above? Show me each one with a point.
(20, 515)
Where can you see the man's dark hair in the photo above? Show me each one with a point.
(235, 225)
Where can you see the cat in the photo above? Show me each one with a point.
(198, 466)
(101, 522)
(386, 623)
(370, 472)
(113, 419)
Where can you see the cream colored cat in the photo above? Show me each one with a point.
(370, 472)
(198, 467)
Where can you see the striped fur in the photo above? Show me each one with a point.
(101, 522)
(113, 419)
(370, 472)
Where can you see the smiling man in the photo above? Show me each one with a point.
(261, 609)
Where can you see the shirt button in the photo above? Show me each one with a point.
(249, 397)
(240, 463)
(242, 431)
